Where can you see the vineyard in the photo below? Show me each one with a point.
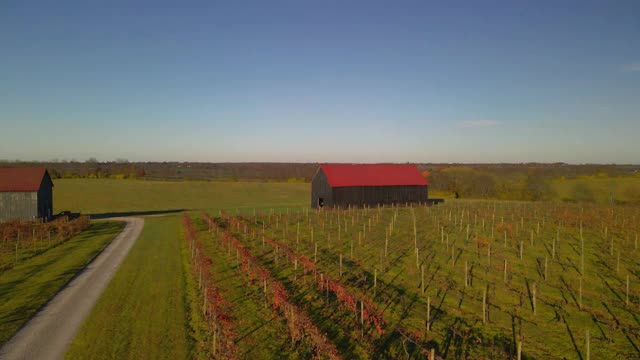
(21, 240)
(466, 279)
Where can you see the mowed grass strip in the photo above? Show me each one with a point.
(142, 313)
(28, 286)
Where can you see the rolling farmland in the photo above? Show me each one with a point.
(351, 284)
(320, 180)
(142, 312)
(467, 279)
(30, 284)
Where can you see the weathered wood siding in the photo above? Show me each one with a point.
(320, 189)
(45, 199)
(364, 195)
(18, 205)
(379, 195)
(28, 206)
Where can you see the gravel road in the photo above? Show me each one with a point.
(50, 332)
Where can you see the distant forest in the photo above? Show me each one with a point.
(527, 181)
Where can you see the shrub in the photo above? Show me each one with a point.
(582, 193)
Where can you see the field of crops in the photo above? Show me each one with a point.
(27, 286)
(467, 279)
(22, 240)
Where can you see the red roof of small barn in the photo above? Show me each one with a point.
(343, 175)
(21, 179)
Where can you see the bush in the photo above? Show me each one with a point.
(536, 188)
(582, 193)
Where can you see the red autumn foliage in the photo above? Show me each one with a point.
(299, 323)
(214, 303)
(346, 299)
(62, 228)
(28, 235)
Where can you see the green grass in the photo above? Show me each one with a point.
(143, 313)
(150, 307)
(99, 196)
(152, 298)
(262, 334)
(29, 285)
(557, 329)
(198, 335)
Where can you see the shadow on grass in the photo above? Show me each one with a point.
(134, 213)
(44, 276)
(573, 340)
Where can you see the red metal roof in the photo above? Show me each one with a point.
(21, 179)
(342, 175)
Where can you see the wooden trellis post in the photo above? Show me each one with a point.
(484, 305)
(627, 299)
(505, 270)
(428, 314)
(422, 279)
(466, 273)
(580, 295)
(588, 347)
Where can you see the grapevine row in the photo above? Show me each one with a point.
(213, 304)
(300, 325)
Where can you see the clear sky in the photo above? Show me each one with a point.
(348, 81)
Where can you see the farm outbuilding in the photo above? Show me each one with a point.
(25, 194)
(343, 185)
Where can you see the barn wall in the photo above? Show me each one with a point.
(383, 195)
(18, 205)
(320, 189)
(45, 199)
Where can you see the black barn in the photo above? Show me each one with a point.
(341, 185)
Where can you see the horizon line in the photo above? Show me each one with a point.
(125, 161)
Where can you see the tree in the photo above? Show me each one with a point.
(536, 188)
(485, 185)
(582, 193)
(140, 172)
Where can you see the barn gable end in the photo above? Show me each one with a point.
(321, 191)
(25, 194)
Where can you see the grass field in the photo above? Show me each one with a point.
(100, 196)
(127, 324)
(142, 314)
(29, 285)
(547, 301)
(113, 197)
(261, 331)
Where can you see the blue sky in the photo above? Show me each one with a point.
(348, 81)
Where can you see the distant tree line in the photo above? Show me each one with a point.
(497, 181)
(522, 182)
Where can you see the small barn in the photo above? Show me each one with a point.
(342, 185)
(26, 194)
